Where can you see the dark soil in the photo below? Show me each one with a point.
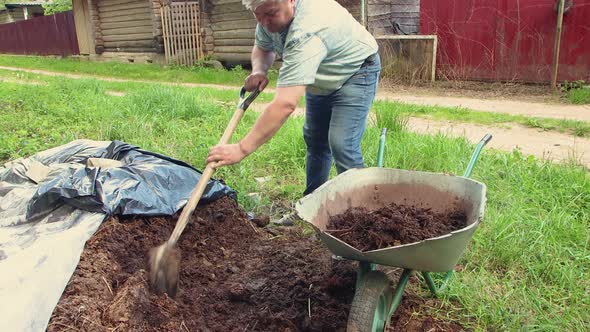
(392, 225)
(411, 316)
(234, 277)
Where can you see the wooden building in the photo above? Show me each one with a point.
(182, 32)
(120, 26)
(15, 11)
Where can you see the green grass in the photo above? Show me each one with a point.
(579, 95)
(236, 77)
(153, 72)
(527, 267)
(574, 127)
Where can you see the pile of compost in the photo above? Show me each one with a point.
(393, 225)
(234, 276)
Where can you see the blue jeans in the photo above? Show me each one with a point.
(335, 124)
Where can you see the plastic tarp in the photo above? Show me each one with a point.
(53, 202)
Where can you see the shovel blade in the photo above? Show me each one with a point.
(164, 267)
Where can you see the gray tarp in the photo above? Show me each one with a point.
(52, 202)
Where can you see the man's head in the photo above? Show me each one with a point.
(274, 15)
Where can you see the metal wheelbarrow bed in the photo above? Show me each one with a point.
(374, 188)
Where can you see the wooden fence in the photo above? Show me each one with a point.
(181, 23)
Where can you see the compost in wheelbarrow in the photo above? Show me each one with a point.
(393, 225)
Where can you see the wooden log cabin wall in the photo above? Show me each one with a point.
(126, 25)
(393, 17)
(228, 28)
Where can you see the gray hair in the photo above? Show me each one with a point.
(253, 4)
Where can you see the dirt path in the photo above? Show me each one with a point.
(115, 79)
(514, 107)
(541, 144)
(549, 145)
(498, 105)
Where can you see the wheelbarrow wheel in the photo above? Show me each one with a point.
(370, 307)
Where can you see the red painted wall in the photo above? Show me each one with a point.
(507, 39)
(44, 35)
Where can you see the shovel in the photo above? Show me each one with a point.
(164, 260)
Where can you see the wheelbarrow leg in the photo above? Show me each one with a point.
(399, 290)
(433, 289)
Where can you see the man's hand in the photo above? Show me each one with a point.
(223, 155)
(256, 80)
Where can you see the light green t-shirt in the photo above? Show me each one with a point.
(322, 48)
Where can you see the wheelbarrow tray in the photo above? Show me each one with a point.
(375, 188)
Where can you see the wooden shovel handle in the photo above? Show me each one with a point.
(190, 206)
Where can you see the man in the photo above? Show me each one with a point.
(328, 56)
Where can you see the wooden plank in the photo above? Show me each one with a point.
(140, 12)
(83, 34)
(232, 49)
(385, 31)
(234, 42)
(136, 18)
(129, 43)
(246, 33)
(173, 35)
(253, 29)
(224, 2)
(186, 33)
(195, 31)
(232, 25)
(232, 57)
(388, 8)
(198, 32)
(122, 7)
(183, 22)
(135, 36)
(228, 8)
(401, 37)
(556, 47)
(170, 31)
(177, 34)
(128, 30)
(116, 25)
(115, 2)
(130, 49)
(223, 17)
(434, 50)
(180, 54)
(165, 33)
(393, 16)
(400, 20)
(189, 35)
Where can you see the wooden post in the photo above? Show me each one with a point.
(560, 10)
(364, 14)
(434, 52)
(165, 35)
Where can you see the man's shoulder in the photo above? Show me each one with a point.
(310, 17)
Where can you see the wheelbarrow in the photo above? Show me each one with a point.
(373, 188)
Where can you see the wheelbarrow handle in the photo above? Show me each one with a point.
(476, 153)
